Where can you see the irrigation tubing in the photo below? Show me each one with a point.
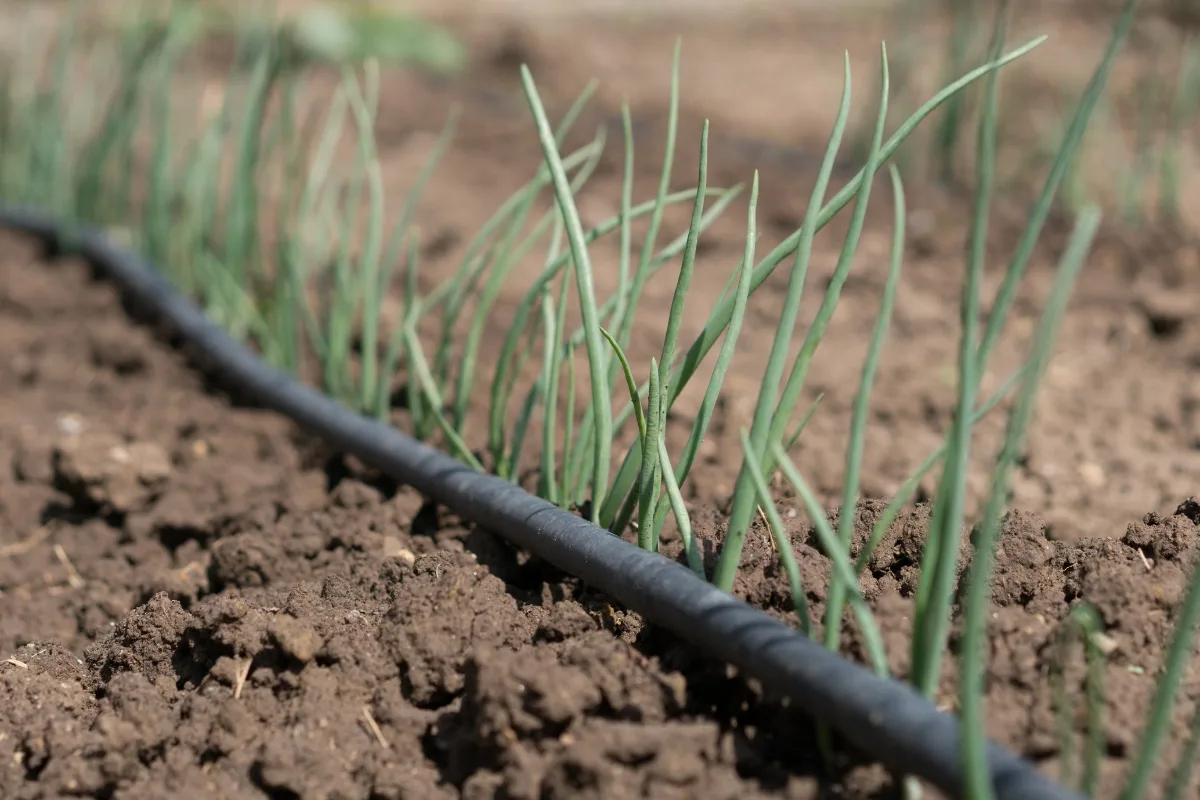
(884, 718)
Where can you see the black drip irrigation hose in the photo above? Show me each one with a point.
(884, 718)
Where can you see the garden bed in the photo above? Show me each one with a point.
(198, 599)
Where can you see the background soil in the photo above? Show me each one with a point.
(198, 599)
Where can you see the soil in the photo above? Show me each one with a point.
(198, 599)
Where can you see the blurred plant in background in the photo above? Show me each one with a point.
(1135, 151)
(334, 31)
(352, 32)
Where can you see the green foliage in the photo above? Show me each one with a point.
(347, 34)
(1083, 623)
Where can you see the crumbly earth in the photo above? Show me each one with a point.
(196, 599)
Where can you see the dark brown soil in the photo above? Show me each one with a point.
(198, 600)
